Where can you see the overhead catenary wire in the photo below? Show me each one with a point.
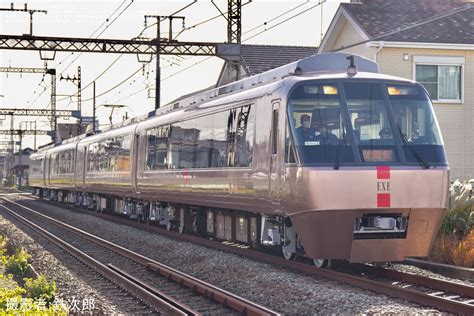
(287, 19)
(93, 33)
(98, 28)
(95, 79)
(206, 21)
(277, 17)
(392, 32)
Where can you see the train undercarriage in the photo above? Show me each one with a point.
(239, 227)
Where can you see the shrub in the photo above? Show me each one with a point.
(8, 291)
(40, 288)
(17, 263)
(455, 241)
(3, 243)
(458, 221)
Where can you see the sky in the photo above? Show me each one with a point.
(263, 22)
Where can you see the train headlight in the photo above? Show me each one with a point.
(330, 89)
(393, 91)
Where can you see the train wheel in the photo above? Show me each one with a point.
(322, 263)
(288, 254)
(168, 225)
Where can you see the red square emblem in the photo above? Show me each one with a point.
(383, 172)
(383, 199)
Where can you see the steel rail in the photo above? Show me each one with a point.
(155, 298)
(371, 285)
(419, 280)
(205, 289)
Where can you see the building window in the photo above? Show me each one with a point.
(441, 76)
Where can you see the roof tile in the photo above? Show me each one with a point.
(379, 17)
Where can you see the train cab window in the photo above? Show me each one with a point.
(416, 123)
(373, 131)
(317, 124)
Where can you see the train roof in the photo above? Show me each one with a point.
(326, 63)
(319, 66)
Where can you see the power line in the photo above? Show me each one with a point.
(97, 29)
(275, 18)
(206, 21)
(107, 26)
(187, 6)
(118, 84)
(102, 32)
(272, 19)
(288, 19)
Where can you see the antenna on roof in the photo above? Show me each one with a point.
(352, 69)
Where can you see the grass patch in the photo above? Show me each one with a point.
(16, 264)
(455, 241)
(24, 296)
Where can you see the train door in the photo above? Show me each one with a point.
(275, 157)
(45, 171)
(135, 157)
(48, 168)
(84, 165)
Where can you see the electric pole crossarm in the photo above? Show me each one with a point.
(39, 112)
(63, 44)
(23, 70)
(23, 132)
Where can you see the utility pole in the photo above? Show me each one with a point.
(20, 168)
(52, 72)
(31, 12)
(54, 118)
(77, 81)
(34, 144)
(234, 21)
(93, 107)
(159, 19)
(11, 159)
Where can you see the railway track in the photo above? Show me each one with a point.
(167, 290)
(443, 295)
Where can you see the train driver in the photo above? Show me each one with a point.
(385, 133)
(305, 132)
(325, 136)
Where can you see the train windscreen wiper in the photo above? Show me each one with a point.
(339, 151)
(412, 149)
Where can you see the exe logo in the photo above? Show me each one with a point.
(383, 186)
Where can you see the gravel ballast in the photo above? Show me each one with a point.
(44, 261)
(277, 288)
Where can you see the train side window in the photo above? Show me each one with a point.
(189, 142)
(219, 140)
(204, 145)
(157, 148)
(239, 136)
(121, 153)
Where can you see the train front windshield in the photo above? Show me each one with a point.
(351, 122)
